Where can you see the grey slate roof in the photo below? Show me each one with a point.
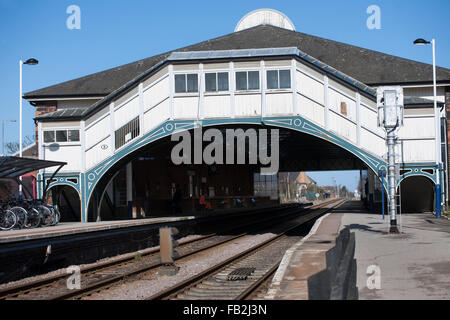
(368, 66)
(411, 101)
(76, 113)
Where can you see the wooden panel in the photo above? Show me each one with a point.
(65, 153)
(97, 132)
(309, 71)
(156, 94)
(369, 119)
(217, 106)
(186, 107)
(248, 105)
(278, 104)
(98, 153)
(419, 150)
(336, 99)
(373, 143)
(156, 116)
(155, 77)
(63, 124)
(310, 87)
(343, 127)
(417, 128)
(311, 110)
(278, 63)
(126, 113)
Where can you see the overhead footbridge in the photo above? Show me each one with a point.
(311, 102)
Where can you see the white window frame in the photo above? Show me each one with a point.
(216, 71)
(247, 70)
(187, 94)
(278, 89)
(65, 142)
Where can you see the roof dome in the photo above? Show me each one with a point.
(265, 16)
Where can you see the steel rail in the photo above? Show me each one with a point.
(185, 285)
(76, 294)
(45, 283)
(15, 290)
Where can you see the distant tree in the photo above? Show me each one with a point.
(343, 192)
(13, 147)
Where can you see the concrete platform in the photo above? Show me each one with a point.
(71, 228)
(413, 265)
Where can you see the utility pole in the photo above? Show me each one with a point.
(3, 135)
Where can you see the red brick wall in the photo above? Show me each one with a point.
(43, 108)
(447, 108)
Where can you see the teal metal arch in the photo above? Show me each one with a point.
(62, 180)
(296, 123)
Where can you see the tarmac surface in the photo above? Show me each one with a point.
(412, 265)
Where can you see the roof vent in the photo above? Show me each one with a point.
(265, 16)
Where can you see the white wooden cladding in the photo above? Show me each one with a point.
(70, 153)
(312, 95)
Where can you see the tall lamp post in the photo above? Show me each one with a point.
(3, 134)
(437, 125)
(30, 62)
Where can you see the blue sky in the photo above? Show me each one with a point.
(118, 32)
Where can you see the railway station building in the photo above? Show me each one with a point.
(114, 128)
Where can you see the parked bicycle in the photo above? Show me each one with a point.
(8, 219)
(27, 214)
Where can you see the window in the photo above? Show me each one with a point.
(49, 136)
(265, 186)
(62, 136)
(186, 83)
(74, 135)
(278, 79)
(216, 82)
(247, 80)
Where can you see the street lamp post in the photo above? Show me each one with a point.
(3, 135)
(31, 62)
(437, 125)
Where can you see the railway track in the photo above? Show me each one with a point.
(243, 275)
(103, 275)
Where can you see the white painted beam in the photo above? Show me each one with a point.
(232, 86)
(83, 145)
(141, 109)
(111, 129)
(263, 88)
(171, 91)
(358, 119)
(294, 87)
(326, 100)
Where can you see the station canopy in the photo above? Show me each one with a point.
(14, 167)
